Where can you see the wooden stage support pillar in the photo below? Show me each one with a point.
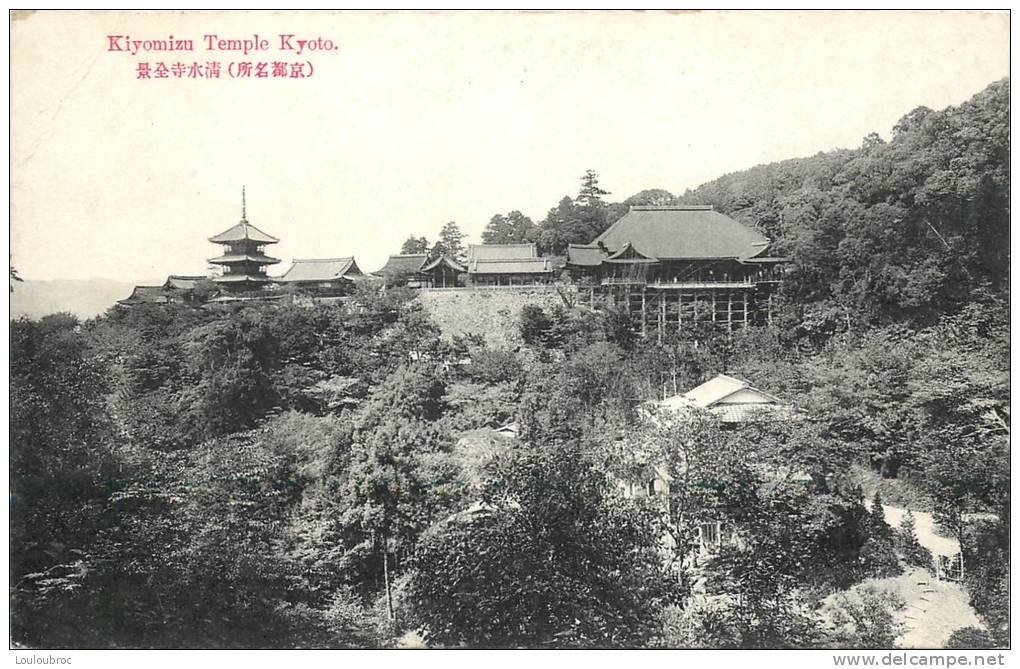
(662, 315)
(644, 314)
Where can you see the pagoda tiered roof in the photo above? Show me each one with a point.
(242, 278)
(243, 231)
(230, 258)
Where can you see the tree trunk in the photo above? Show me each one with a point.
(386, 579)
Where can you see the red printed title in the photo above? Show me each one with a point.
(165, 58)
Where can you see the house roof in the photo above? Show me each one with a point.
(403, 263)
(242, 231)
(321, 269)
(731, 400)
(715, 390)
(680, 233)
(443, 260)
(510, 266)
(501, 252)
(182, 282)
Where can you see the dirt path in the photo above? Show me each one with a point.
(932, 609)
(924, 526)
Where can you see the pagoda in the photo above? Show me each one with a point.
(244, 260)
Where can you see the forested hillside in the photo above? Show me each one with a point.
(268, 475)
(907, 229)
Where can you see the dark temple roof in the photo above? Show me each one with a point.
(403, 263)
(321, 269)
(444, 260)
(145, 295)
(501, 252)
(182, 281)
(506, 259)
(511, 266)
(585, 255)
(677, 233)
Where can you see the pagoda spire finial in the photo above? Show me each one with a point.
(244, 212)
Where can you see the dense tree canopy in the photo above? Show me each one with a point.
(450, 243)
(908, 228)
(513, 228)
(415, 245)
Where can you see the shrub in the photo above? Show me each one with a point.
(971, 638)
(864, 619)
(534, 324)
(905, 538)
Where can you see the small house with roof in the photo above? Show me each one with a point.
(673, 265)
(508, 265)
(243, 260)
(324, 276)
(732, 402)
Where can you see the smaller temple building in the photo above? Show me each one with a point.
(323, 276)
(442, 272)
(508, 265)
(401, 269)
(416, 270)
(177, 289)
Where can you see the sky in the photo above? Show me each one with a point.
(415, 119)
